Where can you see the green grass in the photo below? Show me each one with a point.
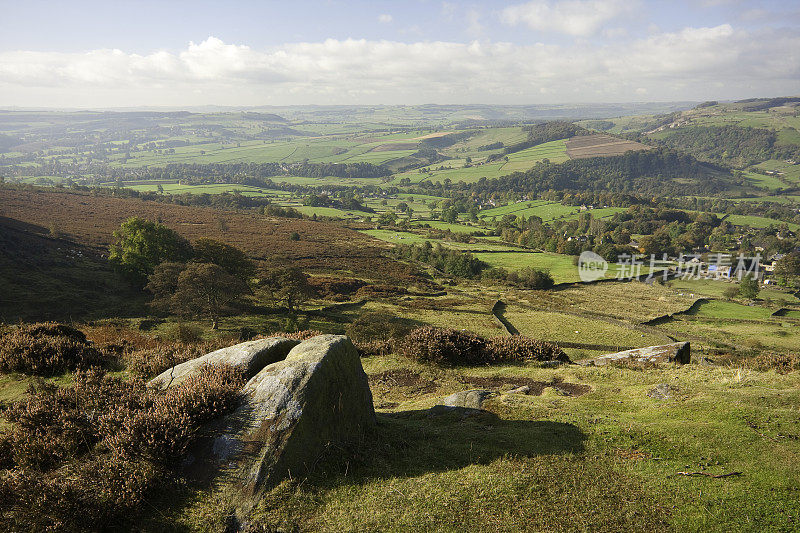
(541, 208)
(762, 180)
(604, 461)
(552, 326)
(455, 228)
(759, 222)
(554, 151)
(560, 266)
(405, 237)
(721, 309)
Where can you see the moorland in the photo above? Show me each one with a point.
(376, 222)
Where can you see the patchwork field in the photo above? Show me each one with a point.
(599, 145)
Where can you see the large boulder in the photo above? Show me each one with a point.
(249, 357)
(291, 411)
(678, 352)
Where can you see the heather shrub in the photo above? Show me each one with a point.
(163, 425)
(781, 363)
(152, 361)
(445, 346)
(453, 347)
(519, 348)
(298, 335)
(46, 349)
(87, 457)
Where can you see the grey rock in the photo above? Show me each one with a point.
(470, 399)
(678, 352)
(551, 364)
(290, 412)
(662, 391)
(250, 357)
(520, 390)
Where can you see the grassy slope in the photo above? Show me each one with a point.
(604, 461)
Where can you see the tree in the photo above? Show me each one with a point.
(140, 245)
(749, 287)
(787, 268)
(163, 283)
(206, 290)
(288, 286)
(232, 259)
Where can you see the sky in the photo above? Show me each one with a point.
(176, 53)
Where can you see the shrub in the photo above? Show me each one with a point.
(181, 332)
(453, 347)
(86, 457)
(519, 348)
(444, 346)
(780, 363)
(46, 349)
(153, 361)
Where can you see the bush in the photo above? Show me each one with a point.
(454, 347)
(531, 278)
(150, 362)
(181, 332)
(87, 457)
(519, 348)
(780, 363)
(47, 349)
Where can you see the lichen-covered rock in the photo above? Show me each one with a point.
(678, 352)
(662, 391)
(291, 411)
(249, 357)
(469, 399)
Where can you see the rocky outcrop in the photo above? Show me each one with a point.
(249, 357)
(678, 352)
(291, 411)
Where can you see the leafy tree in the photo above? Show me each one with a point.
(287, 286)
(163, 283)
(140, 245)
(787, 268)
(449, 214)
(232, 259)
(206, 290)
(749, 287)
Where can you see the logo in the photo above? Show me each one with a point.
(591, 266)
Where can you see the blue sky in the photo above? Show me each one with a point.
(115, 53)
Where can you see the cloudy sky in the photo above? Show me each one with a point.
(180, 53)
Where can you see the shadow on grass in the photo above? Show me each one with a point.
(412, 443)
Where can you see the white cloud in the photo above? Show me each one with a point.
(384, 18)
(695, 63)
(579, 18)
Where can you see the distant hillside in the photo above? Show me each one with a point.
(659, 172)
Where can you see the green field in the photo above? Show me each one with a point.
(715, 289)
(721, 309)
(545, 210)
(404, 237)
(758, 222)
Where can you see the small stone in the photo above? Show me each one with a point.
(470, 399)
(662, 391)
(520, 390)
